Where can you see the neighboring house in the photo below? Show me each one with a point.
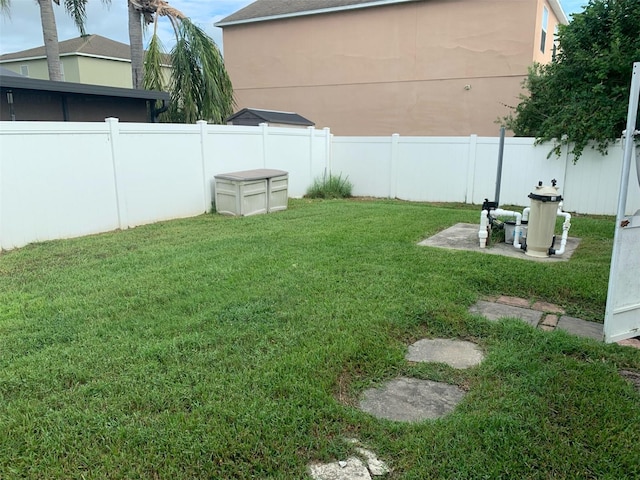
(256, 116)
(23, 98)
(90, 59)
(377, 67)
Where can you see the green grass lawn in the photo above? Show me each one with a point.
(219, 347)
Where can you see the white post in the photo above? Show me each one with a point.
(265, 133)
(119, 183)
(471, 167)
(328, 148)
(393, 166)
(206, 200)
(311, 129)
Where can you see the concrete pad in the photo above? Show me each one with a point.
(351, 469)
(456, 353)
(411, 400)
(464, 236)
(496, 311)
(581, 328)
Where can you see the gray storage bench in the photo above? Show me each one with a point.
(250, 192)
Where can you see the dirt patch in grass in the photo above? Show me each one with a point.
(633, 377)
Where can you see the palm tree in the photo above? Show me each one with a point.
(138, 9)
(50, 35)
(200, 86)
(75, 8)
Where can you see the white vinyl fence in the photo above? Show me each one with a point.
(60, 180)
(464, 169)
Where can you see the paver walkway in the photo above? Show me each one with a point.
(545, 316)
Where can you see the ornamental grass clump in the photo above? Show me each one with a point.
(330, 186)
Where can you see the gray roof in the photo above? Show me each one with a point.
(272, 9)
(88, 45)
(271, 116)
(262, 10)
(26, 83)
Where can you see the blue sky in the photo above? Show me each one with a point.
(22, 30)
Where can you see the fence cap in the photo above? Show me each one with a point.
(257, 174)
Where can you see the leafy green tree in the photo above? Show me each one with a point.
(200, 86)
(582, 95)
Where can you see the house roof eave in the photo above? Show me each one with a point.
(25, 83)
(558, 11)
(373, 3)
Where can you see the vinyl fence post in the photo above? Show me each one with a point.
(119, 183)
(328, 146)
(471, 168)
(393, 166)
(312, 131)
(206, 202)
(265, 134)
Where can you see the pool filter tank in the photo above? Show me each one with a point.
(542, 220)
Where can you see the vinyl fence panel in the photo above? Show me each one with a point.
(56, 181)
(60, 180)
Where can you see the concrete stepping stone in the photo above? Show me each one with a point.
(496, 311)
(351, 469)
(456, 353)
(581, 328)
(411, 400)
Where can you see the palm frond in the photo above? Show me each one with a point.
(201, 88)
(77, 9)
(153, 79)
(5, 7)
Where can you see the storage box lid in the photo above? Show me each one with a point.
(257, 174)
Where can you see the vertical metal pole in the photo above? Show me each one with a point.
(499, 174)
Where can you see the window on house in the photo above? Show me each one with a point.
(545, 25)
(555, 43)
(24, 70)
(62, 71)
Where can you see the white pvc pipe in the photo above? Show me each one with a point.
(525, 214)
(516, 232)
(483, 233)
(565, 230)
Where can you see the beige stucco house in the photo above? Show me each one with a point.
(377, 67)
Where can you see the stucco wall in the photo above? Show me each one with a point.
(538, 55)
(83, 69)
(394, 69)
(100, 71)
(37, 68)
